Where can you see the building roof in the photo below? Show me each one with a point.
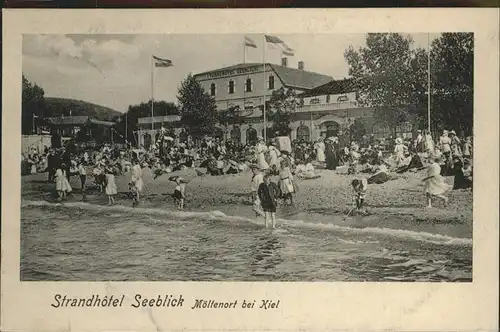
(334, 87)
(76, 121)
(290, 77)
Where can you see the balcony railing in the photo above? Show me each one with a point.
(159, 119)
(327, 106)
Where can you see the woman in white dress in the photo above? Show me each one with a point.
(434, 183)
(273, 157)
(429, 143)
(136, 179)
(62, 185)
(320, 151)
(111, 189)
(260, 150)
(286, 182)
(399, 151)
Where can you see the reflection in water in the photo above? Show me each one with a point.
(266, 255)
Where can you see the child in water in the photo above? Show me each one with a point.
(359, 187)
(267, 193)
(133, 193)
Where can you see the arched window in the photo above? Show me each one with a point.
(332, 128)
(236, 135)
(213, 89)
(251, 135)
(248, 85)
(147, 141)
(231, 87)
(303, 133)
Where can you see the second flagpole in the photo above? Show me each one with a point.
(152, 92)
(264, 98)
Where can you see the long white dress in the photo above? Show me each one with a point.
(286, 181)
(137, 177)
(62, 183)
(273, 156)
(399, 150)
(111, 188)
(429, 144)
(320, 152)
(260, 150)
(435, 184)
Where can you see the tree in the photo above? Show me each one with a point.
(32, 105)
(282, 104)
(197, 108)
(390, 76)
(452, 70)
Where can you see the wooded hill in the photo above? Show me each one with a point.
(55, 107)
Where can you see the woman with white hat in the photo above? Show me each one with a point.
(456, 150)
(260, 150)
(399, 151)
(320, 150)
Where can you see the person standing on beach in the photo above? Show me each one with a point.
(111, 189)
(286, 182)
(319, 146)
(180, 192)
(435, 186)
(267, 193)
(83, 175)
(137, 178)
(260, 150)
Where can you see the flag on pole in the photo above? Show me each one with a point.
(249, 42)
(159, 62)
(287, 50)
(273, 39)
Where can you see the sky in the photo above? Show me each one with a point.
(115, 70)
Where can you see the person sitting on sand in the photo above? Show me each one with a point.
(360, 186)
(307, 171)
(267, 194)
(460, 181)
(435, 186)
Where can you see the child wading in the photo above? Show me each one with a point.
(434, 183)
(179, 193)
(359, 187)
(267, 193)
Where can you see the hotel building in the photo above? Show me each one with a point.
(327, 105)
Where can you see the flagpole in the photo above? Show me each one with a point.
(264, 63)
(429, 84)
(244, 51)
(152, 92)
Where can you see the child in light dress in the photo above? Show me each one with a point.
(286, 182)
(111, 189)
(435, 186)
(62, 185)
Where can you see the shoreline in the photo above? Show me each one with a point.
(398, 204)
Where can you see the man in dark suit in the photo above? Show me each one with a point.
(53, 162)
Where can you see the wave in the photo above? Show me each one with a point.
(221, 216)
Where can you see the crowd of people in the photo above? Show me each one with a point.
(274, 164)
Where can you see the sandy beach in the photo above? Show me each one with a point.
(397, 204)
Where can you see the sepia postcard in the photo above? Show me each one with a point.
(253, 170)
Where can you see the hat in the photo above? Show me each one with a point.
(260, 138)
(419, 130)
(453, 133)
(445, 131)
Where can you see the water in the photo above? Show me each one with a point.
(84, 242)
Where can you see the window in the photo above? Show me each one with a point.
(314, 101)
(213, 89)
(404, 130)
(381, 130)
(303, 133)
(327, 98)
(271, 82)
(251, 135)
(231, 87)
(249, 85)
